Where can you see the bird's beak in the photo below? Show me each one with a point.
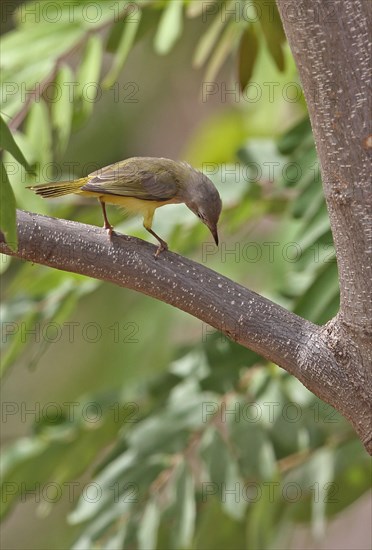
(213, 230)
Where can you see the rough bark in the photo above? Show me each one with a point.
(330, 42)
(297, 345)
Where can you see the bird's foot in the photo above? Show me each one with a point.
(109, 229)
(162, 246)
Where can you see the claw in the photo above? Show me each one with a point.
(109, 229)
(162, 246)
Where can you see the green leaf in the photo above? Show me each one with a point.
(184, 509)
(289, 141)
(87, 78)
(314, 478)
(8, 143)
(102, 523)
(5, 262)
(148, 528)
(273, 31)
(315, 299)
(24, 84)
(25, 46)
(38, 132)
(62, 108)
(262, 524)
(8, 223)
(209, 39)
(352, 476)
(195, 8)
(248, 50)
(124, 47)
(17, 461)
(309, 202)
(170, 27)
(223, 473)
(114, 37)
(248, 434)
(192, 364)
(322, 473)
(17, 344)
(314, 229)
(90, 67)
(87, 510)
(126, 476)
(224, 47)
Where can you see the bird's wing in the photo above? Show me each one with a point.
(133, 179)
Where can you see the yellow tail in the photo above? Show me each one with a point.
(58, 188)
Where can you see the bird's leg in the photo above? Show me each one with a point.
(107, 224)
(162, 244)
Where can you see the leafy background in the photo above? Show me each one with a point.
(127, 423)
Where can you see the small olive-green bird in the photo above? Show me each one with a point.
(143, 184)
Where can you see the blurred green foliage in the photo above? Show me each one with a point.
(172, 435)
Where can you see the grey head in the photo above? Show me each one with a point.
(202, 197)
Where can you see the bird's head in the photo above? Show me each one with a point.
(204, 200)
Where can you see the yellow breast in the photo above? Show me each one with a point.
(131, 204)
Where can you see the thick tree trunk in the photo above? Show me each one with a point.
(330, 42)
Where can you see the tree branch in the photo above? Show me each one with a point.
(295, 344)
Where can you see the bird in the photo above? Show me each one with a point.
(141, 185)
